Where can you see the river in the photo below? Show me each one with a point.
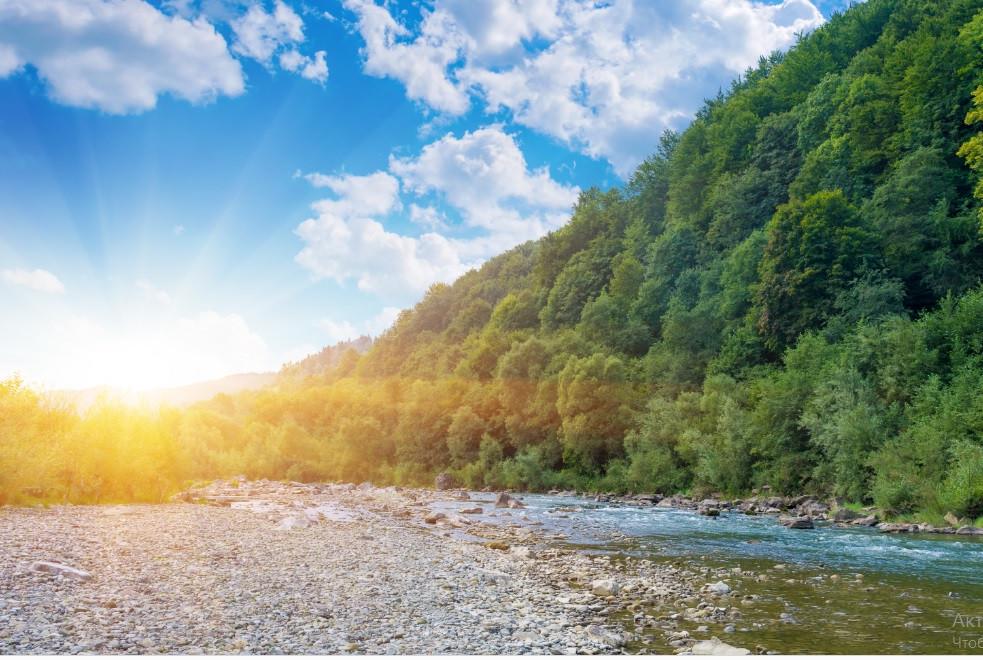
(825, 590)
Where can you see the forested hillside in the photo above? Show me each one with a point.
(786, 293)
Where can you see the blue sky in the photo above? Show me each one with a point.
(200, 187)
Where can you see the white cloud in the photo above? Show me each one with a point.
(313, 68)
(259, 34)
(338, 331)
(116, 56)
(419, 63)
(482, 174)
(605, 78)
(37, 280)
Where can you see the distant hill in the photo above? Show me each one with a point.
(327, 360)
(182, 395)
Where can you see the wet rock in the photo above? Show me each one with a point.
(62, 570)
(714, 646)
(472, 510)
(797, 522)
(506, 501)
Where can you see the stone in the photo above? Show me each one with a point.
(295, 522)
(604, 636)
(797, 522)
(952, 519)
(434, 518)
(719, 588)
(472, 510)
(846, 515)
(866, 521)
(522, 551)
(62, 570)
(708, 511)
(714, 646)
(506, 501)
(443, 481)
(605, 587)
(498, 545)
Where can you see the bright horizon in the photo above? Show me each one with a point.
(175, 214)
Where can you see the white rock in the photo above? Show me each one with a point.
(295, 522)
(719, 588)
(60, 569)
(714, 646)
(605, 587)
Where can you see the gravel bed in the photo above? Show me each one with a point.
(289, 568)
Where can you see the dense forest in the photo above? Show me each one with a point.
(787, 293)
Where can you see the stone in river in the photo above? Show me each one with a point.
(846, 515)
(714, 646)
(472, 510)
(802, 522)
(506, 501)
(60, 569)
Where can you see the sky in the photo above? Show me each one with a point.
(194, 188)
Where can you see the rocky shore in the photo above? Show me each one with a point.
(269, 567)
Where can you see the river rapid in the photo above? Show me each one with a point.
(822, 590)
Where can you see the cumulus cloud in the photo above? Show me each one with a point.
(36, 280)
(116, 56)
(420, 63)
(482, 175)
(313, 68)
(260, 33)
(604, 78)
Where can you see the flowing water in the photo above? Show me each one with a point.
(825, 590)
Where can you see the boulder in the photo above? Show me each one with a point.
(714, 646)
(708, 511)
(62, 570)
(506, 501)
(845, 515)
(866, 521)
(443, 481)
(952, 519)
(719, 588)
(434, 518)
(498, 545)
(605, 587)
(799, 522)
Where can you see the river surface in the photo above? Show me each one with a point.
(825, 590)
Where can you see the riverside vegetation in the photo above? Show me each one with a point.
(787, 294)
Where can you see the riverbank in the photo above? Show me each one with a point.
(267, 567)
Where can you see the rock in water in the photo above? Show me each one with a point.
(60, 569)
(719, 588)
(506, 501)
(803, 522)
(714, 646)
(443, 481)
(605, 587)
(472, 511)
